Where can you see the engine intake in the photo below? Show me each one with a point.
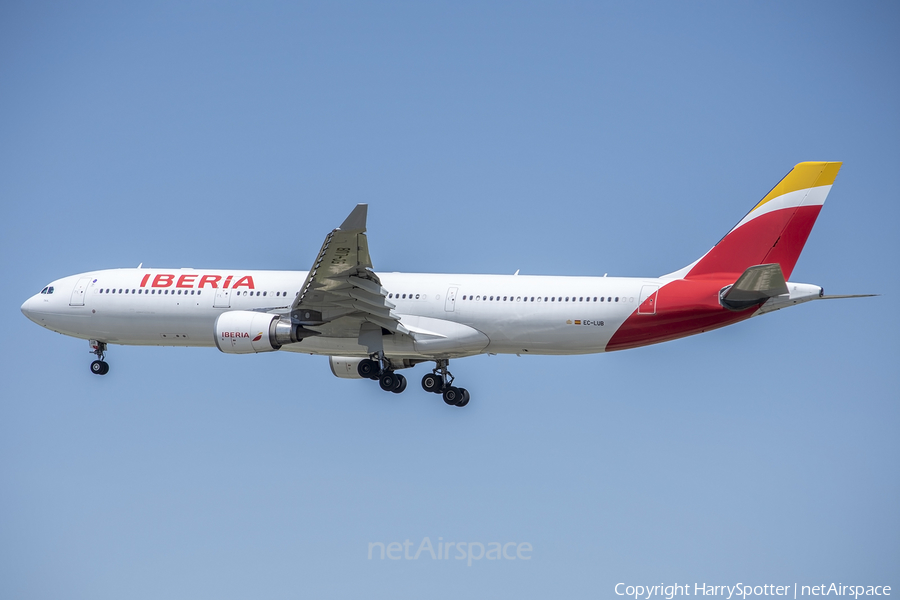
(248, 332)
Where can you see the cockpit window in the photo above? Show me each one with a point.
(50, 290)
(44, 291)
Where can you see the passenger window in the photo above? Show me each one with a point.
(417, 296)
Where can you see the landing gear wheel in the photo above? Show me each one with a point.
(368, 369)
(432, 383)
(465, 397)
(99, 367)
(452, 395)
(400, 385)
(388, 381)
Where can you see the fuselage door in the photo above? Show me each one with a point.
(223, 298)
(77, 298)
(648, 300)
(450, 302)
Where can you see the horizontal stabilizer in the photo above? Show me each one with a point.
(756, 285)
(839, 296)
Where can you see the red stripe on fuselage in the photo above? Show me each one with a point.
(683, 307)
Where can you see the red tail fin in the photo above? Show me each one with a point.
(776, 229)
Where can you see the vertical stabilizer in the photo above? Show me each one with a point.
(776, 229)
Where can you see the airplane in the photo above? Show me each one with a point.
(372, 325)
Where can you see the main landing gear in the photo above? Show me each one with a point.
(440, 381)
(381, 369)
(99, 366)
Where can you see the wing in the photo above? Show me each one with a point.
(341, 291)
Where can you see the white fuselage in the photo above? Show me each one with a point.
(515, 314)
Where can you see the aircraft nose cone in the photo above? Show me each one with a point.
(29, 309)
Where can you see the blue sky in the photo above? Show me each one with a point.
(554, 138)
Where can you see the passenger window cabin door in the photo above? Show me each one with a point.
(77, 298)
(223, 298)
(647, 304)
(450, 302)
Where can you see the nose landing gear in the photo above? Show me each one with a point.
(99, 366)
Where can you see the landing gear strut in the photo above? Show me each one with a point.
(440, 381)
(99, 366)
(380, 368)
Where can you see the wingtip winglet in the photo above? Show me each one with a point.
(356, 220)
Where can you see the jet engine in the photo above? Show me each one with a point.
(345, 367)
(247, 332)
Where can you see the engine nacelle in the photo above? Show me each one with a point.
(248, 332)
(345, 367)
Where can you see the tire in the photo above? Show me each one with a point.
(367, 369)
(97, 367)
(431, 383)
(387, 381)
(400, 385)
(452, 395)
(465, 397)
(105, 367)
